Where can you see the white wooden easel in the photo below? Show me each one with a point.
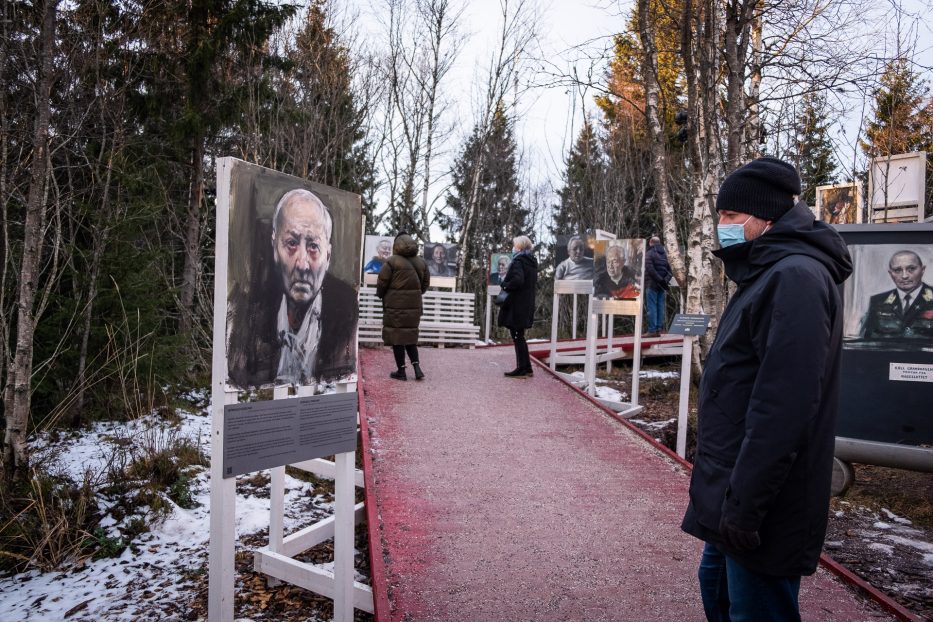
(491, 292)
(567, 288)
(598, 309)
(276, 559)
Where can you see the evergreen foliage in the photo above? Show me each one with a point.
(903, 119)
(815, 158)
(500, 214)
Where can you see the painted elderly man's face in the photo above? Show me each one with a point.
(384, 249)
(302, 249)
(906, 271)
(575, 251)
(439, 254)
(614, 262)
(503, 265)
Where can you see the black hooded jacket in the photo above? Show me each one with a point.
(768, 397)
(518, 311)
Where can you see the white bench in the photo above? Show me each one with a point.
(447, 318)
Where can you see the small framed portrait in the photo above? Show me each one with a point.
(441, 258)
(498, 267)
(376, 250)
(574, 258)
(840, 204)
(887, 356)
(619, 269)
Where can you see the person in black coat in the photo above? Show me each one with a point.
(760, 486)
(517, 313)
(657, 275)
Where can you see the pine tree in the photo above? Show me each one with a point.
(319, 124)
(501, 215)
(816, 160)
(903, 115)
(903, 119)
(583, 182)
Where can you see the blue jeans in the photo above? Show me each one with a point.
(655, 301)
(732, 593)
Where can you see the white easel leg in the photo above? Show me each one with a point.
(343, 536)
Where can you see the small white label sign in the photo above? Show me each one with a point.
(911, 372)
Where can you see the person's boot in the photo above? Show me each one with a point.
(399, 374)
(419, 375)
(518, 372)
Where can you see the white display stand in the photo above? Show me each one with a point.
(444, 282)
(491, 292)
(901, 179)
(598, 309)
(567, 288)
(276, 559)
(370, 279)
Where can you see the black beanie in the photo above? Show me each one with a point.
(764, 188)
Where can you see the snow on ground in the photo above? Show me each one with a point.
(654, 374)
(152, 578)
(610, 394)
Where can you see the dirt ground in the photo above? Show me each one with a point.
(881, 528)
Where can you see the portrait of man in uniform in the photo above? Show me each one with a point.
(888, 301)
(905, 311)
(293, 262)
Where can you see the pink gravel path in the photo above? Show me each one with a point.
(501, 499)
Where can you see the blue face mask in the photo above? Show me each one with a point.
(729, 235)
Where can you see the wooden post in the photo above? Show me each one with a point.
(555, 308)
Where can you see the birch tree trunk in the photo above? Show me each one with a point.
(659, 155)
(705, 291)
(15, 453)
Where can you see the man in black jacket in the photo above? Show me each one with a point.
(657, 275)
(759, 491)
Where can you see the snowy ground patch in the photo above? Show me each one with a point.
(154, 578)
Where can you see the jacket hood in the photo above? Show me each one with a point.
(796, 233)
(527, 257)
(405, 246)
(659, 249)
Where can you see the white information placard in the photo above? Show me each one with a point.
(911, 372)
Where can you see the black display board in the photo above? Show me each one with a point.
(887, 359)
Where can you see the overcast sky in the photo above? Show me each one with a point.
(548, 116)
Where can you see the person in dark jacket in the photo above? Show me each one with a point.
(657, 275)
(402, 280)
(760, 487)
(517, 313)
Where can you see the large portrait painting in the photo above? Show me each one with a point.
(292, 280)
(889, 300)
(887, 357)
(839, 204)
(441, 258)
(574, 258)
(619, 269)
(377, 249)
(498, 267)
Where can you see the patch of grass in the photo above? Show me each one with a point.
(104, 545)
(45, 521)
(906, 493)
